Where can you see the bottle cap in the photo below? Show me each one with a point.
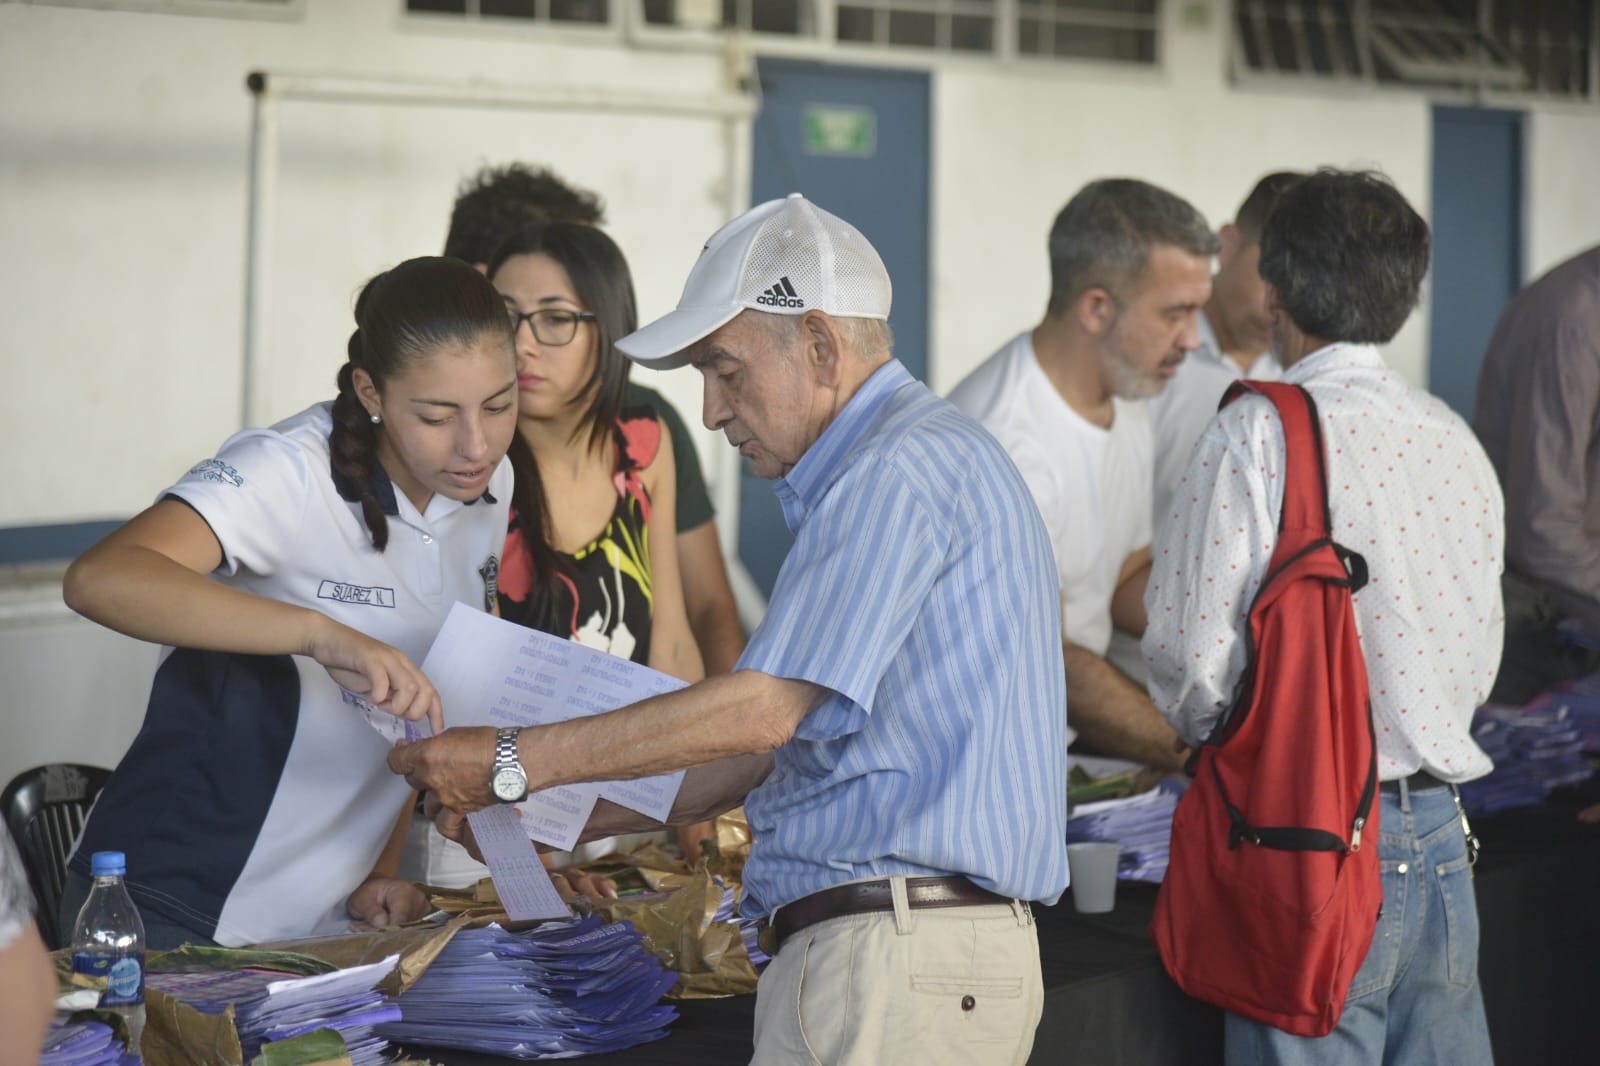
(108, 864)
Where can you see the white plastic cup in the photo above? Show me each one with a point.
(1093, 867)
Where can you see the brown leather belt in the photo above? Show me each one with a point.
(864, 897)
(1415, 783)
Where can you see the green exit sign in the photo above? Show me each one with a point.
(841, 131)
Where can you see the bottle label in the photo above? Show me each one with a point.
(119, 977)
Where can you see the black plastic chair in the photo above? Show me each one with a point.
(45, 809)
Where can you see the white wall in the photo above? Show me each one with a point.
(74, 692)
(123, 162)
(1563, 186)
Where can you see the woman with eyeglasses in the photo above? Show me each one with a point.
(590, 553)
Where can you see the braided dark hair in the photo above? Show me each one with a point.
(601, 280)
(404, 316)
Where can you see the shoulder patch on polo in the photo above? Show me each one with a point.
(217, 470)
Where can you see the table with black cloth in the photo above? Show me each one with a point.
(1108, 1002)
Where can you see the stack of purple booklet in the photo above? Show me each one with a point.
(1582, 700)
(1140, 824)
(84, 1044)
(269, 1007)
(559, 990)
(1536, 748)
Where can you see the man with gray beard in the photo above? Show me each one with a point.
(1130, 267)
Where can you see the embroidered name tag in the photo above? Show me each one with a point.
(375, 596)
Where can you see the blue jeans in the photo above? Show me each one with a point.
(1415, 1001)
(160, 933)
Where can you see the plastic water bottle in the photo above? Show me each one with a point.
(108, 943)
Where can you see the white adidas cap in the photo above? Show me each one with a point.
(784, 257)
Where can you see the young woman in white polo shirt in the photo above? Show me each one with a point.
(297, 577)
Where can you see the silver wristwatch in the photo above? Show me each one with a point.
(508, 780)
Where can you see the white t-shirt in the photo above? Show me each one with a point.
(1179, 414)
(1092, 485)
(256, 797)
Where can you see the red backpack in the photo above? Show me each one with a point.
(1273, 889)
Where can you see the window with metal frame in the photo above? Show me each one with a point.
(792, 18)
(1545, 47)
(1119, 30)
(558, 12)
(941, 25)
(1107, 30)
(264, 9)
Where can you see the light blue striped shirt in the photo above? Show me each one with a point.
(921, 591)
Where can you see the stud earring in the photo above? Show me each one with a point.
(376, 418)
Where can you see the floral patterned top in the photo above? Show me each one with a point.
(609, 601)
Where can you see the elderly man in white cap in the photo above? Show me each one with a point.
(898, 718)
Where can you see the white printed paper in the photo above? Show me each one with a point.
(556, 816)
(492, 672)
(339, 984)
(520, 879)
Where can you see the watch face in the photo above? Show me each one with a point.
(509, 784)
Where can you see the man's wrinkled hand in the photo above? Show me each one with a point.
(455, 766)
(572, 883)
(451, 824)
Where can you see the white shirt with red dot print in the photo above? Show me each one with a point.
(1410, 489)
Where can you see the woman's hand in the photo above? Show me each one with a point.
(385, 675)
(380, 901)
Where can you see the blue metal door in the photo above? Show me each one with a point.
(854, 140)
(1477, 242)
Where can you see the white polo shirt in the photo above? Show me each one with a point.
(256, 797)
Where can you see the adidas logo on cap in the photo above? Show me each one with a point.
(781, 295)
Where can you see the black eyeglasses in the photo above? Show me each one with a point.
(550, 325)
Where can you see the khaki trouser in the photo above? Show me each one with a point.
(936, 985)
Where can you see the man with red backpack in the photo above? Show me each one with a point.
(1411, 492)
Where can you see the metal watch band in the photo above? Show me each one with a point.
(507, 766)
(505, 747)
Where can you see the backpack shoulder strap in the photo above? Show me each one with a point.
(1305, 486)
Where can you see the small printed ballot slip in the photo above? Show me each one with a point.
(520, 879)
(390, 727)
(492, 672)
